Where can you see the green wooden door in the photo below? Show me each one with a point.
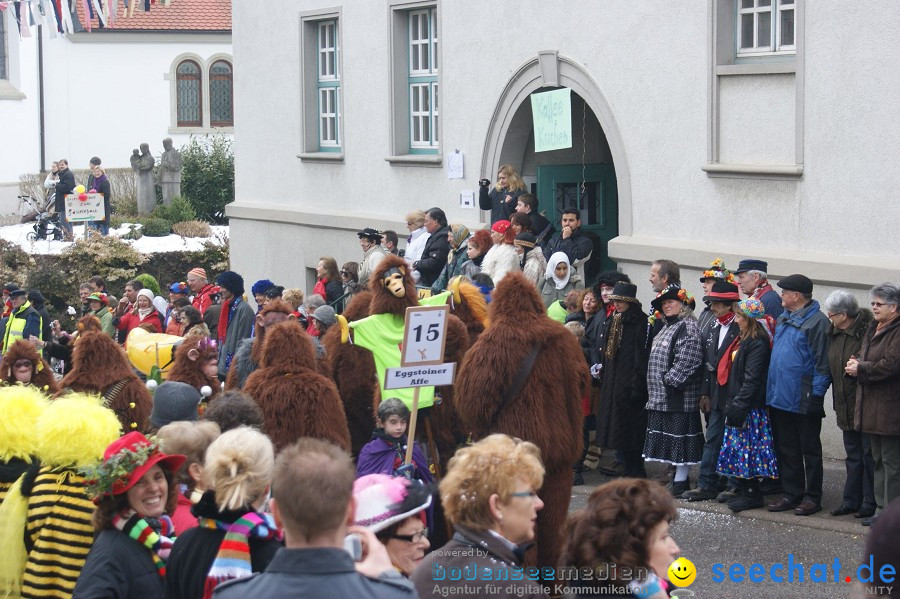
(560, 186)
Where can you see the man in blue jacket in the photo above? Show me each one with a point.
(798, 378)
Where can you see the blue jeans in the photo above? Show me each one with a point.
(101, 226)
(715, 430)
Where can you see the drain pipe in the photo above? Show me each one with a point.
(43, 149)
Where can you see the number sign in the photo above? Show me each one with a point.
(423, 335)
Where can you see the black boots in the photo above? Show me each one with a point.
(750, 496)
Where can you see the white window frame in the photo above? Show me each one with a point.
(422, 51)
(776, 9)
(328, 84)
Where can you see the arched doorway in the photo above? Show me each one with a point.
(592, 174)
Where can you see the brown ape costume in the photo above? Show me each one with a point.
(295, 399)
(188, 366)
(100, 365)
(248, 356)
(547, 408)
(358, 392)
(42, 377)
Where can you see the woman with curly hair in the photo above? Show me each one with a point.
(23, 365)
(490, 497)
(623, 537)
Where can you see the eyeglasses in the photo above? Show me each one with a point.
(345, 273)
(413, 538)
(532, 494)
(22, 364)
(880, 304)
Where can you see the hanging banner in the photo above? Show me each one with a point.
(552, 116)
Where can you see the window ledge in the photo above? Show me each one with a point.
(9, 92)
(416, 160)
(321, 156)
(754, 171)
(210, 130)
(758, 68)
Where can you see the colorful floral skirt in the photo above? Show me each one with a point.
(748, 452)
(674, 437)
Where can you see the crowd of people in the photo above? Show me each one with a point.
(265, 456)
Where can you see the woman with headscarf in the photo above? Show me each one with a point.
(455, 259)
(559, 279)
(531, 257)
(502, 257)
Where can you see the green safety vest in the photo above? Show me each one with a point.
(15, 326)
(557, 312)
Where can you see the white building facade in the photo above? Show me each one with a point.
(716, 128)
(105, 92)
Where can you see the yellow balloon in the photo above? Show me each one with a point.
(146, 350)
(79, 189)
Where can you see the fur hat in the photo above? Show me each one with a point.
(21, 406)
(261, 286)
(174, 402)
(231, 281)
(382, 500)
(125, 461)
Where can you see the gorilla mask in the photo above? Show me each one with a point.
(393, 281)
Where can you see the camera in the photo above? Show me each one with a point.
(484, 183)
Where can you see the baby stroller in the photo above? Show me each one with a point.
(46, 224)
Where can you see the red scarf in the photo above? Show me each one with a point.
(610, 308)
(224, 316)
(762, 290)
(727, 361)
(726, 320)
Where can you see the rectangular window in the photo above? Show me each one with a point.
(4, 72)
(765, 27)
(328, 83)
(423, 85)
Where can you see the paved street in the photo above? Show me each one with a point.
(708, 533)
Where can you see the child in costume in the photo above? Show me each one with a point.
(385, 453)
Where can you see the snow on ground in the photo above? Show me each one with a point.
(147, 245)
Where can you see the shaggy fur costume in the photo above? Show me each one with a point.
(248, 356)
(359, 388)
(98, 363)
(188, 371)
(25, 350)
(547, 410)
(295, 399)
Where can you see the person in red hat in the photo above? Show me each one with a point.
(133, 488)
(502, 258)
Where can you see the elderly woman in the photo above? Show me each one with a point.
(457, 236)
(624, 528)
(877, 372)
(394, 508)
(674, 432)
(418, 236)
(621, 417)
(23, 365)
(135, 491)
(235, 537)
(849, 324)
(489, 495)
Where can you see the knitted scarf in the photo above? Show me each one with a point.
(224, 318)
(143, 531)
(233, 559)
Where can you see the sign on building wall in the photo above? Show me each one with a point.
(552, 116)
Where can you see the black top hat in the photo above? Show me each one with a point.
(370, 233)
(752, 264)
(624, 292)
(722, 291)
(673, 292)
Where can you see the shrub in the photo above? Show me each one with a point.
(207, 176)
(192, 228)
(178, 211)
(155, 227)
(150, 282)
(14, 263)
(134, 232)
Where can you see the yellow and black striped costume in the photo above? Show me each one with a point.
(58, 531)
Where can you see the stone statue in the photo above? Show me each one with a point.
(170, 172)
(142, 163)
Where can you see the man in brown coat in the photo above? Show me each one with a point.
(877, 371)
(526, 377)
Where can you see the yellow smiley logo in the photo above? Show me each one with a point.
(682, 572)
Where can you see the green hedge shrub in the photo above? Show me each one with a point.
(207, 176)
(155, 227)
